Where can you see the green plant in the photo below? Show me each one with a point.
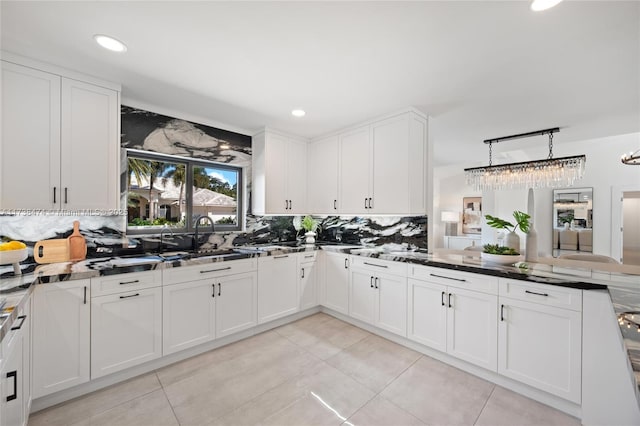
(496, 249)
(522, 222)
(565, 218)
(310, 224)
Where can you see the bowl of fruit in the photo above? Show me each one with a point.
(499, 254)
(12, 252)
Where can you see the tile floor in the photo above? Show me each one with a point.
(315, 371)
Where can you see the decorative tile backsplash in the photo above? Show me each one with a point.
(108, 232)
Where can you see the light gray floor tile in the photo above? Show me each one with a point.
(509, 408)
(439, 394)
(248, 347)
(382, 412)
(95, 402)
(149, 410)
(374, 361)
(323, 395)
(323, 339)
(221, 388)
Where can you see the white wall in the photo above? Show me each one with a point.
(603, 171)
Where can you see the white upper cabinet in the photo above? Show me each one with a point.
(322, 176)
(66, 133)
(90, 146)
(30, 149)
(279, 174)
(355, 171)
(382, 168)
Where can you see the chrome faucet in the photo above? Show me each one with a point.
(164, 229)
(195, 236)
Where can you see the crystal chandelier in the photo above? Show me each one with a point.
(631, 159)
(548, 173)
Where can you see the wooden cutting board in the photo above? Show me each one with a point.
(77, 244)
(51, 251)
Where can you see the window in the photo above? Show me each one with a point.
(175, 191)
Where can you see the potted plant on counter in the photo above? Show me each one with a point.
(497, 254)
(310, 225)
(522, 222)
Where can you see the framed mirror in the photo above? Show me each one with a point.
(572, 221)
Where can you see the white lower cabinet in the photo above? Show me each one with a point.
(15, 376)
(236, 303)
(199, 311)
(277, 287)
(61, 336)
(189, 315)
(378, 298)
(308, 280)
(447, 317)
(126, 330)
(540, 344)
(336, 282)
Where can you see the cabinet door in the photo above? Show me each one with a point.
(472, 333)
(428, 314)
(322, 176)
(541, 346)
(30, 149)
(27, 384)
(12, 403)
(297, 177)
(275, 152)
(126, 330)
(90, 155)
(390, 159)
(60, 336)
(308, 285)
(189, 314)
(362, 295)
(277, 287)
(391, 310)
(336, 286)
(355, 172)
(236, 303)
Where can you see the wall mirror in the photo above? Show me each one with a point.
(572, 221)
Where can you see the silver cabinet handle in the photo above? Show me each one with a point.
(215, 270)
(449, 278)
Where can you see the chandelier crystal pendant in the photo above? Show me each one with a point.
(548, 173)
(631, 159)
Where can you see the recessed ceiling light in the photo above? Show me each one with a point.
(224, 146)
(110, 43)
(298, 113)
(538, 5)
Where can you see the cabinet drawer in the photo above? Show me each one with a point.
(382, 266)
(562, 297)
(102, 286)
(208, 270)
(307, 256)
(468, 280)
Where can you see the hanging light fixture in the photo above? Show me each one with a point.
(631, 159)
(548, 173)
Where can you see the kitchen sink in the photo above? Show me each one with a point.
(137, 260)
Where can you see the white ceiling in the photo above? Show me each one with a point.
(480, 69)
